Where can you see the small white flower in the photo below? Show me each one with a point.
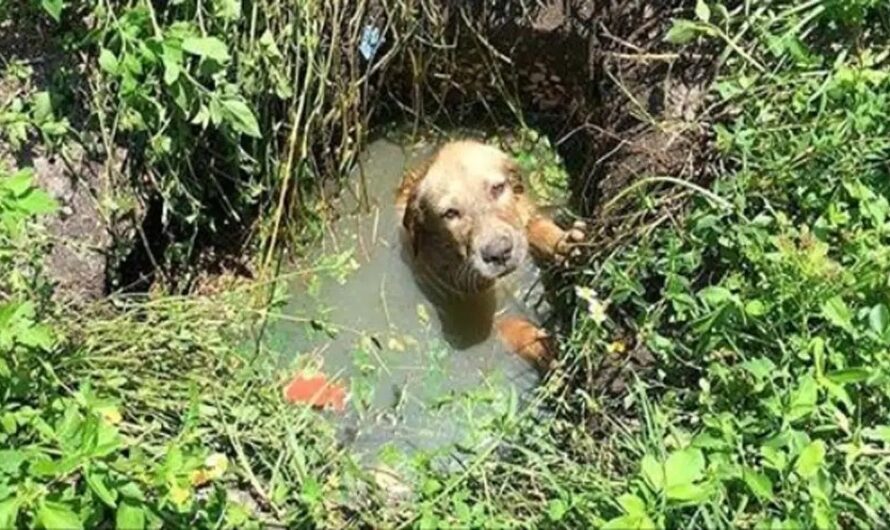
(595, 306)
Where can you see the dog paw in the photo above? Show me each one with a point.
(569, 244)
(528, 341)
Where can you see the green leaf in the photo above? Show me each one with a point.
(682, 31)
(96, 482)
(684, 467)
(758, 483)
(18, 183)
(653, 471)
(556, 509)
(632, 505)
(681, 470)
(755, 308)
(10, 461)
(108, 62)
(58, 516)
(702, 11)
(207, 47)
(228, 9)
(715, 295)
(810, 459)
(242, 118)
(879, 319)
(53, 8)
(849, 375)
(37, 202)
(835, 310)
(803, 400)
(9, 512)
(42, 107)
(762, 368)
(129, 516)
(630, 522)
(37, 336)
(686, 492)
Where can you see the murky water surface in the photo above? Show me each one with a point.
(360, 312)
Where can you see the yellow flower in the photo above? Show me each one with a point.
(111, 415)
(198, 477)
(178, 495)
(617, 347)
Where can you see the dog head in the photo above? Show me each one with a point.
(462, 216)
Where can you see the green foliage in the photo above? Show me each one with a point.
(769, 319)
(142, 416)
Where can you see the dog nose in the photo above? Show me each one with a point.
(498, 250)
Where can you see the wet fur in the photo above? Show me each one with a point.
(442, 257)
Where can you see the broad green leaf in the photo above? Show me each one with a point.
(774, 457)
(686, 492)
(58, 516)
(37, 202)
(836, 311)
(702, 11)
(171, 57)
(803, 399)
(108, 62)
(19, 182)
(9, 512)
(758, 483)
(42, 107)
(682, 31)
(53, 8)
(879, 319)
(96, 482)
(129, 516)
(653, 471)
(810, 459)
(761, 368)
(755, 308)
(208, 47)
(242, 118)
(632, 505)
(715, 295)
(684, 467)
(10, 461)
(37, 336)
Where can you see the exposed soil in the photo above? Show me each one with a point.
(597, 77)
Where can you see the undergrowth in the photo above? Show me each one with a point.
(765, 304)
(139, 411)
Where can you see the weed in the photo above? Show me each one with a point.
(767, 317)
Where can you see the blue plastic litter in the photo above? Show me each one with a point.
(371, 42)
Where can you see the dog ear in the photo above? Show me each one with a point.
(413, 218)
(514, 175)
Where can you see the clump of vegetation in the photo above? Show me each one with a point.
(766, 303)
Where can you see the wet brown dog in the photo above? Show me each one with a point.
(468, 223)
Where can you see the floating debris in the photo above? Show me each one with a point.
(316, 391)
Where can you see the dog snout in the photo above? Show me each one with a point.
(498, 251)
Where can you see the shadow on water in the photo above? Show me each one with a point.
(415, 382)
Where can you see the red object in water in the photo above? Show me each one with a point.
(316, 391)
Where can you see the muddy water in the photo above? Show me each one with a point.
(360, 313)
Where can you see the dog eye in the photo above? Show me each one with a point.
(451, 214)
(498, 189)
